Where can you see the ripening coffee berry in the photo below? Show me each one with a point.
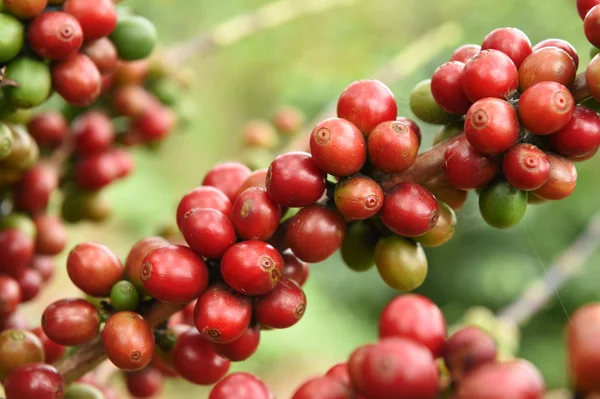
(358, 247)
(71, 322)
(103, 53)
(468, 169)
(583, 349)
(590, 26)
(401, 263)
(584, 6)
(366, 104)
(18, 347)
(128, 340)
(340, 373)
(283, 307)
(338, 147)
(51, 235)
(77, 80)
(467, 349)
(321, 386)
(492, 126)
(25, 9)
(424, 106)
(55, 35)
(561, 44)
(242, 348)
(260, 134)
(48, 128)
(30, 281)
(491, 73)
(36, 380)
(254, 215)
(240, 386)
(409, 210)
(131, 100)
(511, 41)
(94, 132)
(547, 64)
(12, 40)
(98, 18)
(546, 107)
(257, 178)
(227, 177)
(17, 248)
(526, 167)
(44, 265)
(135, 260)
(447, 88)
(580, 136)
(465, 52)
(295, 180)
(562, 180)
(358, 197)
(124, 296)
(445, 192)
(94, 268)
(294, 268)
(502, 205)
(208, 232)
(134, 37)
(393, 147)
(33, 191)
(145, 383)
(443, 231)
(288, 120)
(203, 197)
(34, 82)
(53, 351)
(411, 124)
(156, 123)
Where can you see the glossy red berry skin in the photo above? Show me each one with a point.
(511, 41)
(252, 267)
(468, 169)
(465, 52)
(222, 315)
(467, 349)
(294, 268)
(584, 6)
(203, 197)
(396, 368)
(546, 107)
(17, 249)
(145, 383)
(51, 235)
(393, 147)
(174, 274)
(447, 88)
(526, 167)
(410, 210)
(94, 132)
(37, 184)
(31, 283)
(324, 388)
(490, 73)
(196, 361)
(590, 26)
(358, 197)
(241, 386)
(77, 80)
(414, 317)
(580, 136)
(128, 340)
(315, 233)
(254, 215)
(241, 348)
(96, 171)
(98, 18)
(340, 373)
(294, 180)
(338, 147)
(103, 53)
(257, 178)
(71, 322)
(135, 260)
(492, 126)
(411, 124)
(94, 268)
(561, 44)
(562, 180)
(156, 123)
(283, 307)
(53, 352)
(583, 348)
(208, 232)
(34, 381)
(366, 104)
(55, 35)
(227, 177)
(547, 64)
(48, 128)
(10, 295)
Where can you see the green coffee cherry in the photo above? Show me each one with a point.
(447, 132)
(33, 79)
(134, 37)
(358, 247)
(6, 141)
(12, 34)
(124, 296)
(502, 205)
(18, 221)
(83, 391)
(401, 263)
(423, 105)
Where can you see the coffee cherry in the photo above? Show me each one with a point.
(492, 126)
(288, 120)
(30, 282)
(131, 72)
(315, 233)
(324, 388)
(131, 100)
(580, 136)
(34, 82)
(401, 263)
(338, 147)
(48, 128)
(240, 386)
(283, 307)
(53, 352)
(546, 107)
(511, 41)
(71, 322)
(562, 180)
(94, 268)
(359, 246)
(561, 44)
(466, 350)
(145, 383)
(196, 361)
(254, 215)
(466, 168)
(294, 268)
(424, 106)
(393, 147)
(447, 88)
(260, 134)
(491, 73)
(516, 379)
(93, 132)
(18, 221)
(51, 235)
(128, 340)
(17, 249)
(583, 348)
(445, 192)
(12, 37)
(242, 348)
(98, 18)
(15, 320)
(584, 6)
(443, 231)
(358, 197)
(134, 37)
(502, 205)
(465, 52)
(366, 104)
(77, 80)
(340, 373)
(18, 347)
(396, 368)
(83, 390)
(412, 125)
(174, 274)
(44, 265)
(208, 232)
(124, 296)
(295, 180)
(55, 35)
(34, 381)
(227, 177)
(547, 64)
(37, 184)
(156, 123)
(135, 260)
(258, 178)
(526, 167)
(409, 210)
(590, 26)
(252, 267)
(203, 197)
(103, 54)
(25, 9)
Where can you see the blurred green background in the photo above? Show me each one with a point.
(307, 63)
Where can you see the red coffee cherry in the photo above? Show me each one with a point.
(144, 383)
(37, 184)
(580, 136)
(17, 248)
(103, 54)
(294, 180)
(366, 104)
(174, 274)
(227, 177)
(416, 318)
(10, 295)
(465, 52)
(294, 268)
(410, 210)
(156, 123)
(492, 126)
(48, 128)
(94, 268)
(283, 307)
(94, 133)
(30, 282)
(135, 260)
(258, 178)
(53, 352)
(252, 267)
(466, 350)
(259, 133)
(590, 26)
(25, 9)
(128, 340)
(254, 215)
(338, 147)
(444, 229)
(412, 125)
(562, 180)
(98, 18)
(561, 44)
(55, 35)
(241, 348)
(393, 147)
(97, 171)
(410, 370)
(131, 100)
(51, 235)
(288, 119)
(445, 192)
(583, 349)
(490, 73)
(315, 233)
(18, 347)
(447, 88)
(340, 373)
(547, 64)
(324, 387)
(546, 107)
(196, 361)
(34, 381)
(203, 197)
(44, 265)
(466, 168)
(511, 41)
(584, 6)
(77, 80)
(240, 386)
(526, 167)
(208, 232)
(222, 315)
(71, 322)
(358, 197)
(516, 379)
(279, 239)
